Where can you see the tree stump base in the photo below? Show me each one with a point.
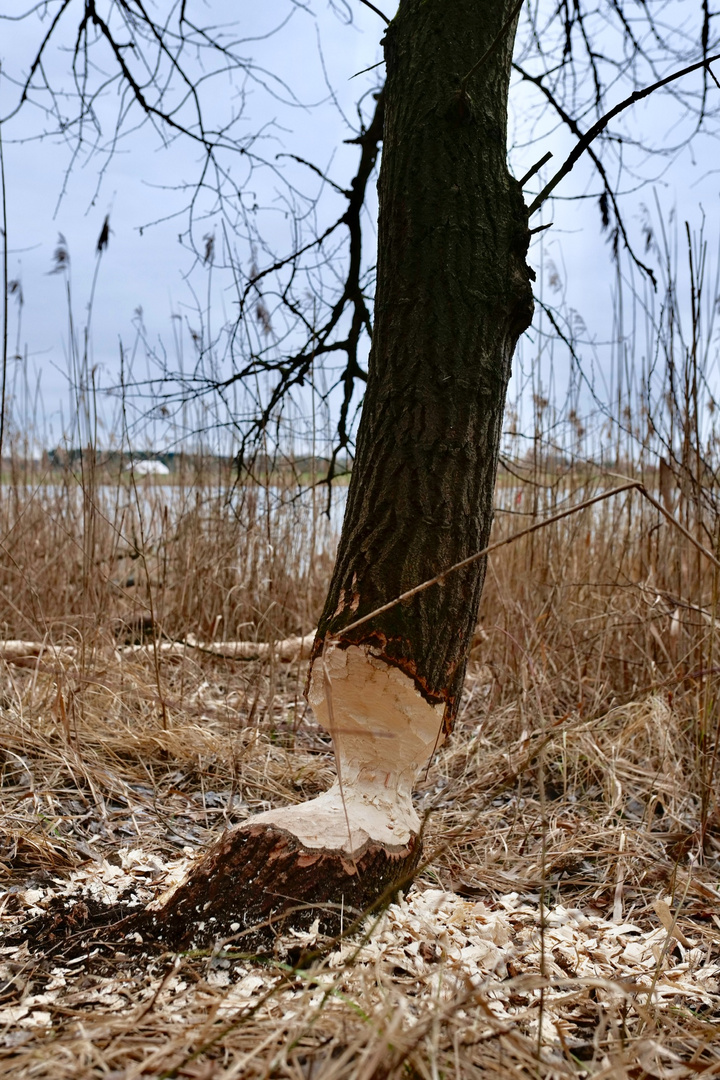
(259, 881)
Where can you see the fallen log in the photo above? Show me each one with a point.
(16, 650)
(286, 650)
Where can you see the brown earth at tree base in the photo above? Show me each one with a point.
(259, 881)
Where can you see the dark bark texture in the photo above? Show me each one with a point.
(453, 295)
(259, 880)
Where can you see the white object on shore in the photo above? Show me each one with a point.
(148, 467)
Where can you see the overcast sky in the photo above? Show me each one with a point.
(50, 193)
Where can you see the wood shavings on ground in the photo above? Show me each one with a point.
(570, 934)
(494, 979)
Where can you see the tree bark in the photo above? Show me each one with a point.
(259, 880)
(453, 295)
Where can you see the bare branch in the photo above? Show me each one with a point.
(599, 126)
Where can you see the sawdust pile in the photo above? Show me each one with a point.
(434, 973)
(566, 923)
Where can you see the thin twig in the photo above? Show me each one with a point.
(491, 48)
(631, 485)
(535, 168)
(592, 133)
(376, 10)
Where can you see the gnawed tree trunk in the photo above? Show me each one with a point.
(453, 296)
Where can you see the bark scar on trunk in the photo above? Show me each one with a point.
(349, 846)
(393, 651)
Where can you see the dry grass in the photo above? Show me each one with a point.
(571, 819)
(83, 558)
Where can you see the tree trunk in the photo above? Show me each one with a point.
(453, 295)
